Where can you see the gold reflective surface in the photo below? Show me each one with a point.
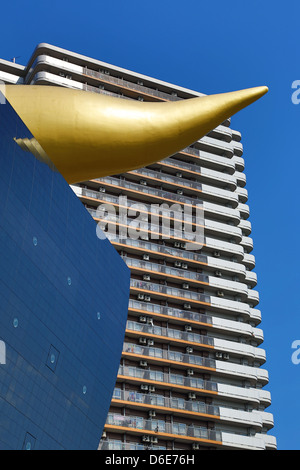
(86, 135)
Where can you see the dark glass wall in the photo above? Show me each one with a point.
(63, 306)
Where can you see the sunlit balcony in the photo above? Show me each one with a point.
(171, 380)
(194, 278)
(196, 157)
(170, 333)
(234, 328)
(115, 444)
(181, 431)
(239, 163)
(164, 404)
(174, 313)
(190, 383)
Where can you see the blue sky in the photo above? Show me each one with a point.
(211, 47)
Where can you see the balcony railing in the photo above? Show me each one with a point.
(180, 182)
(161, 427)
(167, 250)
(169, 333)
(160, 268)
(112, 444)
(171, 291)
(172, 312)
(172, 379)
(199, 154)
(165, 402)
(153, 211)
(120, 82)
(205, 173)
(182, 255)
(168, 178)
(168, 355)
(142, 189)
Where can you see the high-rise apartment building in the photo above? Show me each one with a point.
(191, 374)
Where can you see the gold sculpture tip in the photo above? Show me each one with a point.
(87, 135)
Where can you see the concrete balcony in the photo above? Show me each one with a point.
(230, 287)
(249, 260)
(163, 291)
(230, 306)
(217, 178)
(253, 297)
(176, 315)
(241, 418)
(270, 442)
(190, 189)
(241, 394)
(239, 163)
(244, 210)
(182, 407)
(185, 257)
(238, 148)
(170, 333)
(245, 372)
(220, 247)
(147, 194)
(205, 176)
(242, 194)
(227, 266)
(251, 278)
(237, 328)
(234, 441)
(211, 227)
(245, 226)
(10, 78)
(154, 401)
(150, 230)
(176, 430)
(236, 135)
(180, 275)
(241, 179)
(162, 356)
(173, 381)
(116, 444)
(190, 383)
(267, 419)
(188, 258)
(218, 211)
(247, 244)
(235, 349)
(205, 159)
(264, 397)
(220, 147)
(255, 315)
(220, 195)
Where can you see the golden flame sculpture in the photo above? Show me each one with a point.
(87, 135)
